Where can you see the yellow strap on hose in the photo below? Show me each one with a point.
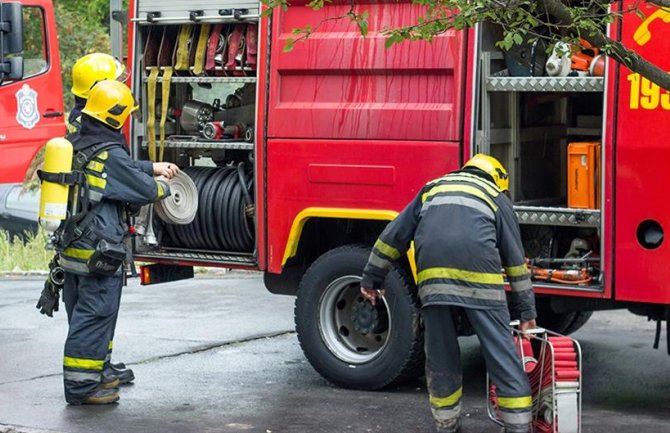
(151, 121)
(181, 63)
(167, 75)
(201, 49)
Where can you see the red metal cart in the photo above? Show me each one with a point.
(553, 363)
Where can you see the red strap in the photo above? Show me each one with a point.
(212, 43)
(234, 45)
(252, 48)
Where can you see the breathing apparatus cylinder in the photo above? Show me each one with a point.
(53, 196)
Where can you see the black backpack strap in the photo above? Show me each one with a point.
(84, 156)
(72, 178)
(76, 224)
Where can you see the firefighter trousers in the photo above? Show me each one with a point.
(444, 373)
(92, 305)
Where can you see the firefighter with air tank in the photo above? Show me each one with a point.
(88, 184)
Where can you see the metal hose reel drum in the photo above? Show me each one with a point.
(182, 204)
(195, 115)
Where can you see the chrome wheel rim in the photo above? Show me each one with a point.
(346, 322)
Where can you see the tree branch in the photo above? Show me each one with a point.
(662, 3)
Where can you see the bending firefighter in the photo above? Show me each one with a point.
(104, 181)
(465, 231)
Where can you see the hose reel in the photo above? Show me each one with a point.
(182, 204)
(224, 220)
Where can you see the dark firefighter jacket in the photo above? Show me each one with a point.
(114, 180)
(465, 232)
(74, 119)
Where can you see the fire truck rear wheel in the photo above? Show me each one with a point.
(563, 323)
(346, 339)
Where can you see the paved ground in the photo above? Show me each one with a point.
(220, 355)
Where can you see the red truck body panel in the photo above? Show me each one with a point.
(642, 153)
(29, 108)
(363, 127)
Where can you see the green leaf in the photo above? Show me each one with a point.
(392, 40)
(288, 46)
(363, 26)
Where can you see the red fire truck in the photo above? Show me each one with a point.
(300, 159)
(31, 95)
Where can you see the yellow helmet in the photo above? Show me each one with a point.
(111, 102)
(92, 68)
(492, 167)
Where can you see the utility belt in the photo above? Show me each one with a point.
(103, 257)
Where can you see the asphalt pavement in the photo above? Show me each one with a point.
(220, 355)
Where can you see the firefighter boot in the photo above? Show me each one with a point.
(99, 396)
(118, 371)
(453, 426)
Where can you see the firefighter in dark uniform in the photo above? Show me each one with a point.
(87, 71)
(465, 231)
(92, 250)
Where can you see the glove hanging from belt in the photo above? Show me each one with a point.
(50, 296)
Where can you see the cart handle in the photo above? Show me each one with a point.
(515, 323)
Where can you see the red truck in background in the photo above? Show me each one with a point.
(31, 90)
(300, 159)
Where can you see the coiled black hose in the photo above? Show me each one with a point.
(221, 222)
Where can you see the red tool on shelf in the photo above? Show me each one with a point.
(555, 375)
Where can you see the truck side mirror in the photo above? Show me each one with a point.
(11, 29)
(11, 41)
(11, 69)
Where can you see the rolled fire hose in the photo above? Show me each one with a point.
(225, 217)
(182, 204)
(554, 366)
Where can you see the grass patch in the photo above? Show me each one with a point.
(18, 255)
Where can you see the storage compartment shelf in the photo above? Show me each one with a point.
(540, 284)
(193, 144)
(201, 257)
(206, 79)
(556, 216)
(545, 84)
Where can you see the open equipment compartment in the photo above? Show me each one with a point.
(197, 75)
(547, 130)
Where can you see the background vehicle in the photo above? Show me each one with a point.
(31, 90)
(18, 210)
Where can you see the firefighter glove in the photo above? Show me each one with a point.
(50, 296)
(48, 302)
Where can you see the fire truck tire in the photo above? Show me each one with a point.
(563, 323)
(578, 321)
(346, 339)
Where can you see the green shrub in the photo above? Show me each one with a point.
(17, 255)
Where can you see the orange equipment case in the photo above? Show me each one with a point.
(583, 175)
